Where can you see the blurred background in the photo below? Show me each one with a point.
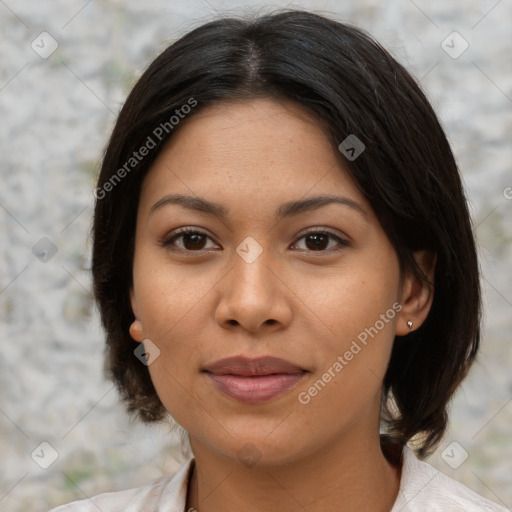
(65, 70)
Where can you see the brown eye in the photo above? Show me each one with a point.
(191, 240)
(319, 241)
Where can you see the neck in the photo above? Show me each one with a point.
(354, 475)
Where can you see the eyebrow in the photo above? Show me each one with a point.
(288, 209)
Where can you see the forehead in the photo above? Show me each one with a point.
(255, 150)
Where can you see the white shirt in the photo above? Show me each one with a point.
(422, 488)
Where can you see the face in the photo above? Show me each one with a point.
(270, 271)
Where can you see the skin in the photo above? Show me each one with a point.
(201, 301)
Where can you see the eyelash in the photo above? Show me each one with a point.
(167, 242)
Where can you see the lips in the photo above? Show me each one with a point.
(254, 380)
(252, 367)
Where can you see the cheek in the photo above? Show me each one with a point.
(170, 303)
(168, 296)
(174, 372)
(360, 310)
(354, 298)
(346, 384)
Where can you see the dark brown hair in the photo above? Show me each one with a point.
(407, 173)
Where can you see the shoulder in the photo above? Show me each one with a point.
(168, 490)
(424, 488)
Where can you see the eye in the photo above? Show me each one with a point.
(192, 239)
(318, 240)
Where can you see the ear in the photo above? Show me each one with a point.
(136, 331)
(417, 296)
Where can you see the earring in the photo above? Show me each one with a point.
(409, 324)
(136, 330)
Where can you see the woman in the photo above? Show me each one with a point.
(284, 263)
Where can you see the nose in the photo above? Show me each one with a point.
(254, 296)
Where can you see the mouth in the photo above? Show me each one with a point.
(254, 380)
